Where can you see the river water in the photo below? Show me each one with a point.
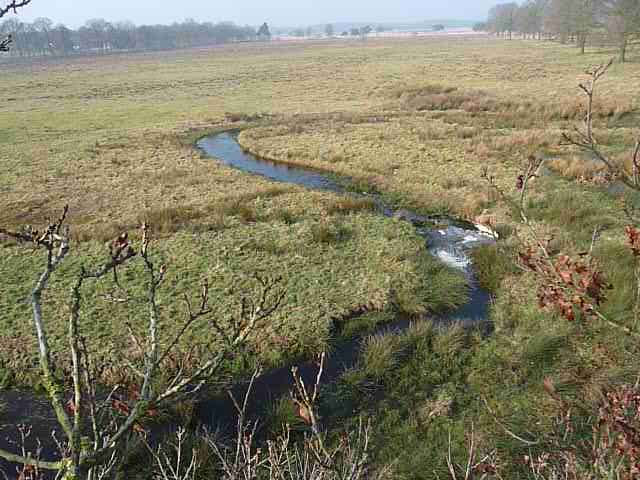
(447, 239)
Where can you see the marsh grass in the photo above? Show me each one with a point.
(423, 145)
(329, 232)
(577, 212)
(347, 205)
(285, 215)
(380, 355)
(169, 219)
(618, 265)
(491, 265)
(411, 382)
(364, 322)
(578, 167)
(281, 414)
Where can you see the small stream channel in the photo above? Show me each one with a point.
(448, 239)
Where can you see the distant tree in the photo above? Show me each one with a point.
(298, 32)
(43, 41)
(344, 34)
(366, 30)
(380, 29)
(62, 39)
(97, 34)
(569, 20)
(623, 22)
(308, 32)
(438, 27)
(263, 32)
(329, 30)
(559, 19)
(502, 19)
(480, 27)
(124, 36)
(539, 10)
(5, 8)
(40, 38)
(586, 20)
(354, 32)
(525, 19)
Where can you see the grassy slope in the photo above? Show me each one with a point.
(106, 134)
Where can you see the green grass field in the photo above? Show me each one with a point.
(417, 119)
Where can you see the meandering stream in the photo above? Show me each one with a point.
(449, 240)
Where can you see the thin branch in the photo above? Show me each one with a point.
(13, 5)
(26, 460)
(636, 166)
(5, 43)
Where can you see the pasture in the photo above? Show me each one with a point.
(414, 119)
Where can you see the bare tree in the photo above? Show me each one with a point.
(623, 22)
(13, 6)
(88, 457)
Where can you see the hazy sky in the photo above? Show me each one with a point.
(276, 12)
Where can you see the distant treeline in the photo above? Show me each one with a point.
(616, 21)
(42, 37)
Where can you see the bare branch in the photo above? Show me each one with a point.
(636, 166)
(27, 460)
(585, 139)
(13, 5)
(5, 43)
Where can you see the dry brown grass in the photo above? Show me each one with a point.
(110, 136)
(348, 205)
(578, 167)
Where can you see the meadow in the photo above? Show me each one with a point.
(415, 119)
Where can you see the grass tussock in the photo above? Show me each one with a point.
(438, 97)
(380, 355)
(491, 264)
(576, 213)
(329, 232)
(507, 112)
(285, 216)
(170, 219)
(347, 205)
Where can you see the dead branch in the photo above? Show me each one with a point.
(13, 5)
(108, 442)
(5, 43)
(584, 138)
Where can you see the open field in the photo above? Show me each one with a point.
(416, 119)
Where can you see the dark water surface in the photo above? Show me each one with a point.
(450, 241)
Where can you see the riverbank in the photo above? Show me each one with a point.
(416, 119)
